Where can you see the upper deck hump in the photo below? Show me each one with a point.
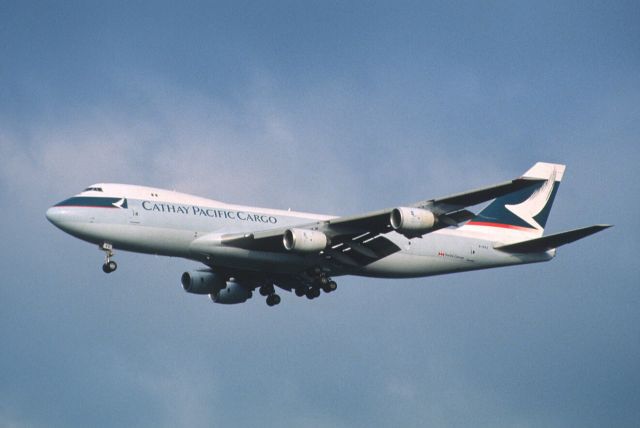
(133, 191)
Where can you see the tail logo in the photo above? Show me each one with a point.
(535, 203)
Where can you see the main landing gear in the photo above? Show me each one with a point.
(320, 282)
(269, 291)
(109, 265)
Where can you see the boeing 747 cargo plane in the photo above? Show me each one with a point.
(247, 248)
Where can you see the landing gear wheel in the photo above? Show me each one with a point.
(331, 286)
(313, 292)
(300, 291)
(109, 266)
(273, 299)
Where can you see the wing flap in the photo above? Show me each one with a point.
(355, 253)
(551, 241)
(270, 240)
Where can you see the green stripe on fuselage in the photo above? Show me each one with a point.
(91, 201)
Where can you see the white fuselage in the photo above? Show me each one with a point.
(157, 221)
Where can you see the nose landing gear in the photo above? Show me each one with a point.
(109, 265)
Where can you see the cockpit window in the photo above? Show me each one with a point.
(93, 189)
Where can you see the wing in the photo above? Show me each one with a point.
(359, 240)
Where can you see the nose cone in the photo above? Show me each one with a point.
(65, 218)
(70, 219)
(56, 215)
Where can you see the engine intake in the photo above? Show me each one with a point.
(412, 221)
(202, 282)
(304, 240)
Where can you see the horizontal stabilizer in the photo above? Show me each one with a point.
(552, 241)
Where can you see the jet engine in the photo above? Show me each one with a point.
(412, 221)
(304, 240)
(202, 282)
(233, 293)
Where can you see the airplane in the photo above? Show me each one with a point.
(245, 248)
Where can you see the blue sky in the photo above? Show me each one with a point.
(335, 108)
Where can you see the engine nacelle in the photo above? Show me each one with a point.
(412, 221)
(304, 240)
(233, 293)
(202, 282)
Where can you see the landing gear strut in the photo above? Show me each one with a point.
(109, 265)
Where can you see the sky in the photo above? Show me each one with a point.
(329, 107)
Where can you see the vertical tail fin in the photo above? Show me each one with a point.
(522, 214)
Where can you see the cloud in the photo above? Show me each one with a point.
(255, 153)
(490, 348)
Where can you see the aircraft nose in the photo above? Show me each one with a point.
(63, 217)
(55, 215)
(66, 218)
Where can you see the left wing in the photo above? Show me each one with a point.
(359, 240)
